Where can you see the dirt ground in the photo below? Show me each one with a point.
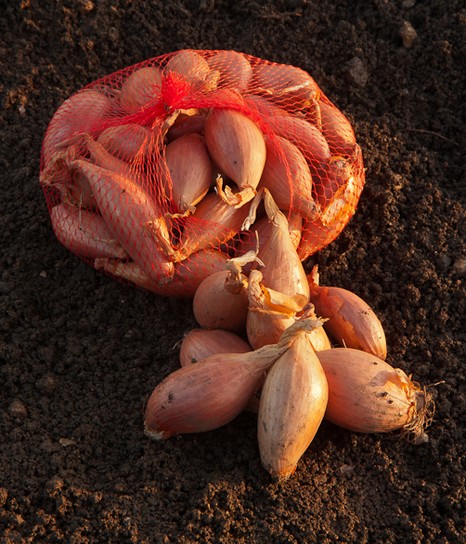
(80, 352)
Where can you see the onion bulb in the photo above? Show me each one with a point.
(368, 395)
(127, 142)
(207, 395)
(84, 233)
(287, 176)
(193, 68)
(198, 344)
(81, 113)
(305, 136)
(187, 123)
(337, 130)
(132, 217)
(285, 84)
(292, 405)
(350, 320)
(237, 145)
(140, 88)
(213, 223)
(215, 307)
(190, 171)
(283, 269)
(235, 69)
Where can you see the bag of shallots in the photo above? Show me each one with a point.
(151, 172)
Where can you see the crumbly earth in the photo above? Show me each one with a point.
(80, 352)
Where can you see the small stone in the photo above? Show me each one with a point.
(206, 5)
(18, 410)
(347, 470)
(86, 6)
(408, 34)
(47, 385)
(66, 442)
(406, 4)
(21, 109)
(459, 267)
(357, 72)
(43, 274)
(443, 262)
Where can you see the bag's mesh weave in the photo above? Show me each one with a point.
(130, 165)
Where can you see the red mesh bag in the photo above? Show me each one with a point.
(150, 172)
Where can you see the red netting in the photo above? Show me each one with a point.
(149, 172)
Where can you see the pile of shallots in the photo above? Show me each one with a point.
(214, 175)
(150, 173)
(267, 345)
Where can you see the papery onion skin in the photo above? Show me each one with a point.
(351, 321)
(216, 308)
(292, 406)
(198, 344)
(265, 321)
(368, 395)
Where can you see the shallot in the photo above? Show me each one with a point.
(81, 113)
(368, 395)
(292, 405)
(237, 145)
(235, 69)
(207, 395)
(84, 233)
(350, 320)
(132, 217)
(190, 171)
(140, 88)
(198, 344)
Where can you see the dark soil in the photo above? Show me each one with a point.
(80, 352)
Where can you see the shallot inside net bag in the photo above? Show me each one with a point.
(150, 172)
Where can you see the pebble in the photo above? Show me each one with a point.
(408, 34)
(459, 267)
(18, 410)
(443, 262)
(347, 470)
(66, 442)
(47, 385)
(357, 72)
(406, 4)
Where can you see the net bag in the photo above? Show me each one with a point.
(150, 173)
